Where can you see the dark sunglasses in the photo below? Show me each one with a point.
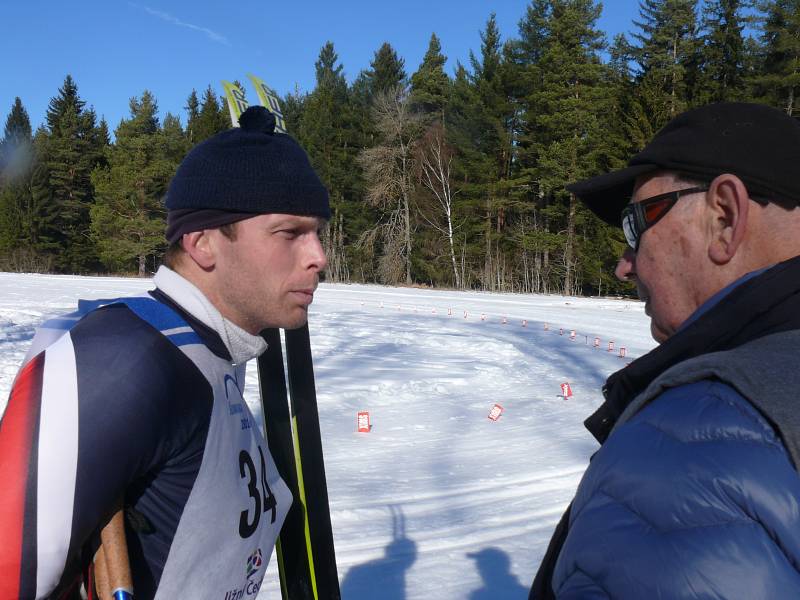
(638, 217)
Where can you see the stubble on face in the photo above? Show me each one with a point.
(668, 262)
(268, 275)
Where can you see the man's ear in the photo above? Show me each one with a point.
(200, 248)
(729, 202)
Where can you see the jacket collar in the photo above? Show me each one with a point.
(240, 345)
(761, 305)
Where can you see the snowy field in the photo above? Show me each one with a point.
(437, 501)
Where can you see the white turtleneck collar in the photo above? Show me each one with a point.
(241, 345)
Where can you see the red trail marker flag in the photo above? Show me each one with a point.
(495, 413)
(363, 422)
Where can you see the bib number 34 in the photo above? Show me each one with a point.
(259, 492)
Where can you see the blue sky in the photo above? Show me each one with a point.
(115, 49)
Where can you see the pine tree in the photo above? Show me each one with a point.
(779, 77)
(533, 31)
(667, 58)
(70, 150)
(128, 217)
(321, 131)
(486, 68)
(465, 133)
(567, 116)
(436, 199)
(16, 167)
(489, 120)
(621, 84)
(175, 140)
(293, 105)
(723, 50)
(482, 126)
(192, 116)
(67, 99)
(103, 136)
(212, 118)
(386, 70)
(42, 217)
(430, 84)
(15, 145)
(529, 240)
(329, 131)
(17, 130)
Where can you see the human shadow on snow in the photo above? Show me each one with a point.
(498, 582)
(385, 577)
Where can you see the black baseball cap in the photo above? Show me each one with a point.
(757, 143)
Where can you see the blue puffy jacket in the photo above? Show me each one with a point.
(693, 497)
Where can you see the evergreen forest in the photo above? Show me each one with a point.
(442, 179)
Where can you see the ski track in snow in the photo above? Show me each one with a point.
(437, 501)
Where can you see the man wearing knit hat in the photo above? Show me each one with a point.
(694, 492)
(139, 400)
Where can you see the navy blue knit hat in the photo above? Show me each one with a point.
(242, 172)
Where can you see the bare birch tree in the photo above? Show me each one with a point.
(388, 171)
(333, 244)
(436, 158)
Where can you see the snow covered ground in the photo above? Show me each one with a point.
(437, 501)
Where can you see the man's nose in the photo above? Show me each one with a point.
(626, 266)
(316, 254)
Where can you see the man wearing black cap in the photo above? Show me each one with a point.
(139, 400)
(695, 491)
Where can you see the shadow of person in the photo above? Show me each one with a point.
(498, 581)
(384, 578)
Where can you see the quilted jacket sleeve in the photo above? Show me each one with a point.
(694, 497)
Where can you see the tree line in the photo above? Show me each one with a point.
(441, 179)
